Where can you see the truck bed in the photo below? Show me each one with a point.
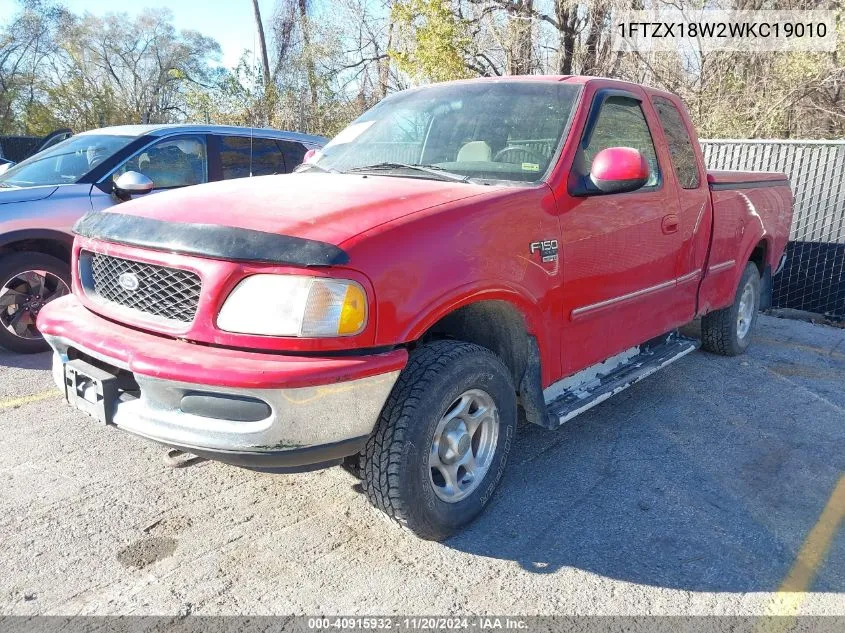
(748, 206)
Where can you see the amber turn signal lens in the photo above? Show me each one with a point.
(353, 314)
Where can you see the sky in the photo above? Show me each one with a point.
(230, 22)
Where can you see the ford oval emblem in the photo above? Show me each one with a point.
(128, 281)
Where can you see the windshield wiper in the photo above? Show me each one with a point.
(434, 170)
(306, 166)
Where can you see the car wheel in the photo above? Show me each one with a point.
(728, 331)
(443, 438)
(28, 281)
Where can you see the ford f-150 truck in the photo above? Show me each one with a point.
(459, 251)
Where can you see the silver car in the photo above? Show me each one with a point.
(43, 196)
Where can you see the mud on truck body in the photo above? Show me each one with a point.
(459, 251)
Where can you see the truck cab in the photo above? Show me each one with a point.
(459, 251)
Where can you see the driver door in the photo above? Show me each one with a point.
(620, 250)
(171, 163)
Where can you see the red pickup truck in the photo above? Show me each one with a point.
(459, 251)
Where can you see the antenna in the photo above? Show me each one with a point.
(252, 113)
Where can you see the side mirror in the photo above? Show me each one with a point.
(4, 167)
(619, 170)
(132, 183)
(310, 155)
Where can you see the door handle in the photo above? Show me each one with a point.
(670, 223)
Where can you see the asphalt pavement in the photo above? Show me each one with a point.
(705, 489)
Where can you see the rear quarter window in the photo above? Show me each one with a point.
(294, 153)
(241, 157)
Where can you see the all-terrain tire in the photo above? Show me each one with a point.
(13, 265)
(720, 329)
(397, 477)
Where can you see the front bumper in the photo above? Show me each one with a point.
(250, 409)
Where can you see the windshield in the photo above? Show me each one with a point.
(507, 131)
(65, 162)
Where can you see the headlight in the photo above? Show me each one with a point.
(292, 305)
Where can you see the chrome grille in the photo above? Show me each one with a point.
(160, 291)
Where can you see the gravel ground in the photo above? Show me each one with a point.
(690, 493)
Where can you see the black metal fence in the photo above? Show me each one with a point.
(17, 148)
(813, 278)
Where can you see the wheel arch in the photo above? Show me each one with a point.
(755, 249)
(759, 254)
(761, 257)
(501, 322)
(49, 242)
(460, 298)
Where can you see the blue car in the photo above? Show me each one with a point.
(42, 197)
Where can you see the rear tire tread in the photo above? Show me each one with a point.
(718, 328)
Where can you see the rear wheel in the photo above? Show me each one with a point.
(28, 281)
(442, 441)
(728, 331)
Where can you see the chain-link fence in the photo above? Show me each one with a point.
(814, 276)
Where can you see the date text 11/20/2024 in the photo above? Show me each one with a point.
(488, 623)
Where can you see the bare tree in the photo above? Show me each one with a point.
(25, 43)
(308, 56)
(262, 43)
(323, 64)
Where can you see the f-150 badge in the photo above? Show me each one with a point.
(546, 248)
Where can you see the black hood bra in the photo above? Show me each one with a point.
(209, 240)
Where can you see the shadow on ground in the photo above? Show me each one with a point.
(25, 361)
(707, 476)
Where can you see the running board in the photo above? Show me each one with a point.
(568, 397)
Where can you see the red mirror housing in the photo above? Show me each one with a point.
(619, 169)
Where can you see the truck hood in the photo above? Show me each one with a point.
(326, 207)
(25, 194)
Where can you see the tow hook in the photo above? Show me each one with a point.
(180, 459)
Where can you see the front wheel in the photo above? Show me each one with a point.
(442, 441)
(28, 281)
(728, 331)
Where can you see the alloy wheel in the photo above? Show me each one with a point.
(463, 445)
(745, 313)
(23, 296)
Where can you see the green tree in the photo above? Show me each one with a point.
(432, 40)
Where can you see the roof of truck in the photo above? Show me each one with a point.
(570, 79)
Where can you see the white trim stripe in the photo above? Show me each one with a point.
(578, 312)
(717, 268)
(631, 295)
